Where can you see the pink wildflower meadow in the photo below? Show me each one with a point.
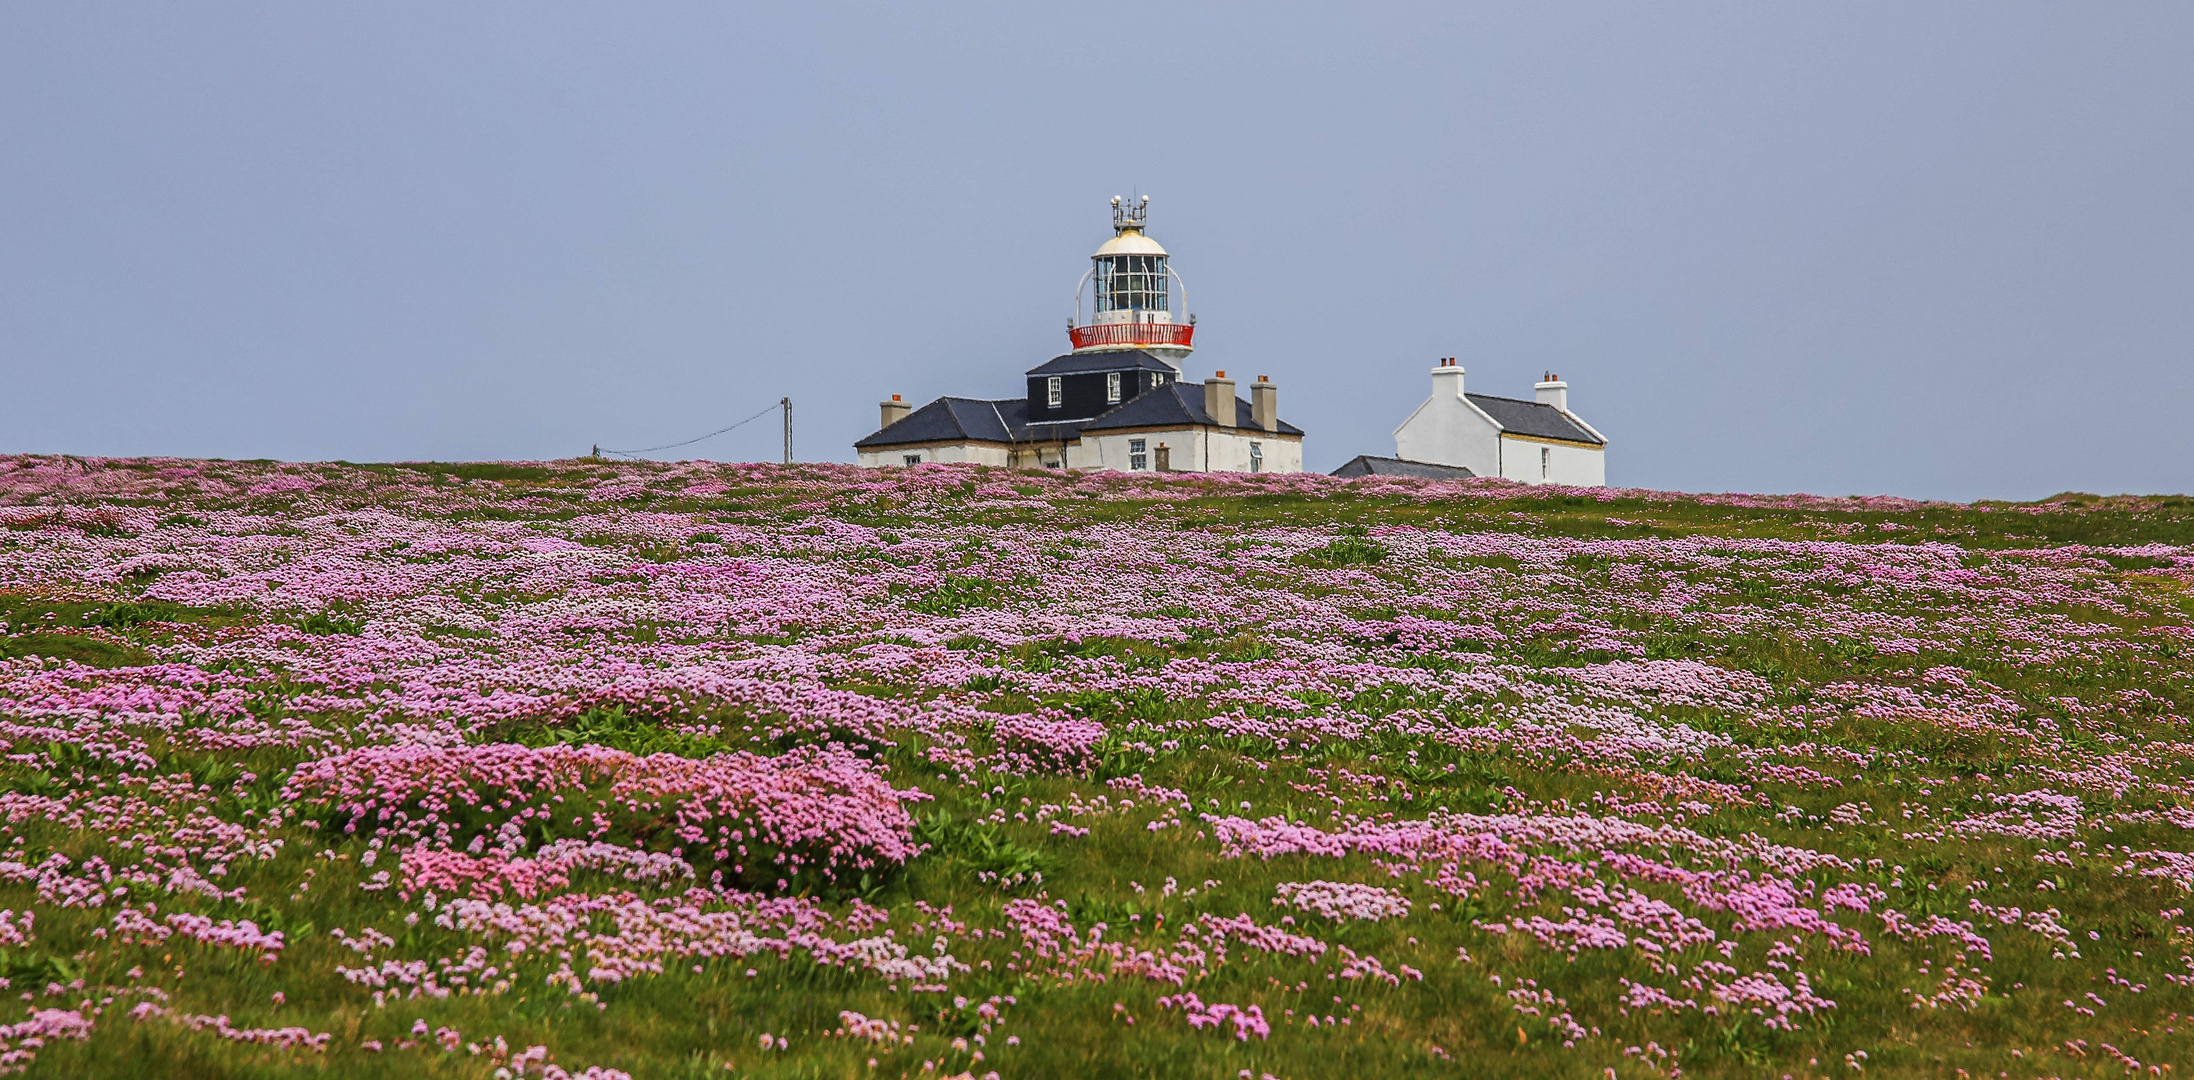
(947, 771)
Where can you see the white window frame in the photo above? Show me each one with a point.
(1138, 455)
(1546, 462)
(1112, 386)
(910, 459)
(1256, 456)
(1054, 391)
(1132, 283)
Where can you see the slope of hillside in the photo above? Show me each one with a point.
(593, 769)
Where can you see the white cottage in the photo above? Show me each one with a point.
(1117, 401)
(1537, 442)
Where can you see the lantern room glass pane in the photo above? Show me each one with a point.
(1131, 283)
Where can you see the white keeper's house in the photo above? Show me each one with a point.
(1458, 434)
(1119, 400)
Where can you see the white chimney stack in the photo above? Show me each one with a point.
(1447, 378)
(1553, 391)
(1219, 399)
(895, 410)
(1264, 403)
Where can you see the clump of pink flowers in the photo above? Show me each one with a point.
(1345, 900)
(1245, 1022)
(764, 818)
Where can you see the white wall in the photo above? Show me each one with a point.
(1575, 466)
(1109, 450)
(1100, 452)
(1043, 456)
(1228, 450)
(1448, 430)
(895, 456)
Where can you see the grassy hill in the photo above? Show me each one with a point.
(582, 768)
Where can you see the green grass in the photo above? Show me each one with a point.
(1176, 732)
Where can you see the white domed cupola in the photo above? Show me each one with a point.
(1135, 293)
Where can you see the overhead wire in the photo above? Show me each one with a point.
(766, 410)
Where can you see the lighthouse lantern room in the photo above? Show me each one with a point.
(1132, 289)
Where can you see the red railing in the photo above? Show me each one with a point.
(1175, 334)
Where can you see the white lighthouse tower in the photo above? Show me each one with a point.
(1134, 296)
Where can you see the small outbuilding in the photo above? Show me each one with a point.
(1368, 465)
(1537, 442)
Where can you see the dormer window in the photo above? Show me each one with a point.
(1157, 379)
(1112, 386)
(1054, 392)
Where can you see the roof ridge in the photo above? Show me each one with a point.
(1517, 400)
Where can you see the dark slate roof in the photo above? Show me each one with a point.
(1367, 465)
(1110, 360)
(1047, 431)
(951, 419)
(1166, 405)
(1531, 418)
(1174, 404)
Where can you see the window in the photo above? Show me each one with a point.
(1138, 454)
(1546, 462)
(1112, 386)
(1131, 283)
(913, 459)
(1157, 379)
(1053, 395)
(1256, 457)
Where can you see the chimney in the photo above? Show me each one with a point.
(1447, 378)
(1264, 403)
(1219, 399)
(1553, 391)
(895, 410)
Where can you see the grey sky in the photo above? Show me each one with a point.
(1925, 249)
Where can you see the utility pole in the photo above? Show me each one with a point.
(787, 404)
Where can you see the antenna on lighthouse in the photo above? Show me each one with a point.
(1129, 215)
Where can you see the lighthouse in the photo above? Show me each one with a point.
(1118, 400)
(1132, 288)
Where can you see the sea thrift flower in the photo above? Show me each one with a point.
(1636, 757)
